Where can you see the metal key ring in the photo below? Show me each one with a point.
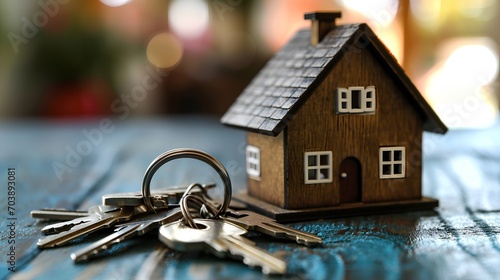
(186, 153)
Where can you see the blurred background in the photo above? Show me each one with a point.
(64, 59)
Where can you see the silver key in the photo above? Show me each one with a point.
(222, 239)
(68, 224)
(256, 222)
(58, 214)
(98, 220)
(135, 199)
(161, 198)
(127, 231)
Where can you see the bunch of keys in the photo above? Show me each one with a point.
(116, 209)
(187, 219)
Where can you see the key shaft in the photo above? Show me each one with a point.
(252, 255)
(126, 232)
(100, 221)
(160, 198)
(58, 214)
(256, 222)
(67, 225)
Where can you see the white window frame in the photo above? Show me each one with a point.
(367, 100)
(253, 161)
(317, 167)
(392, 162)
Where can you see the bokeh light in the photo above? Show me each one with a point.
(460, 87)
(164, 50)
(188, 18)
(115, 3)
(382, 12)
(471, 61)
(427, 12)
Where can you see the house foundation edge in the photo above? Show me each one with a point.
(344, 210)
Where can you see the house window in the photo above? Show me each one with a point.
(318, 167)
(392, 162)
(253, 161)
(356, 100)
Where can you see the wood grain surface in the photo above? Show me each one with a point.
(317, 127)
(460, 240)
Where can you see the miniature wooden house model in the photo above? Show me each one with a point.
(334, 127)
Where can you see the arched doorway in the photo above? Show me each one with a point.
(350, 180)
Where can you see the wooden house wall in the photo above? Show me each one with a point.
(271, 185)
(317, 127)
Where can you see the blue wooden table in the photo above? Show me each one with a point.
(72, 164)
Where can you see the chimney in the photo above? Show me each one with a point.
(321, 24)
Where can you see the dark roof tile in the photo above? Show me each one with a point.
(332, 52)
(319, 53)
(267, 112)
(297, 82)
(278, 92)
(237, 119)
(319, 62)
(298, 92)
(269, 91)
(256, 122)
(269, 81)
(257, 110)
(279, 114)
(269, 125)
(289, 103)
(287, 92)
(279, 82)
(238, 108)
(279, 102)
(269, 101)
(299, 63)
(249, 109)
(308, 63)
(288, 82)
(258, 100)
(258, 90)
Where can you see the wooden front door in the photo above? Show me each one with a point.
(350, 180)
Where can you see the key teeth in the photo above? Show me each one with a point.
(39, 243)
(43, 244)
(79, 259)
(265, 269)
(89, 255)
(310, 243)
(250, 263)
(60, 227)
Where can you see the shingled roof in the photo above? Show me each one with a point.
(292, 75)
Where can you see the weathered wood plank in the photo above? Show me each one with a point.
(460, 240)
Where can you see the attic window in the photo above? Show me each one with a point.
(355, 100)
(318, 167)
(253, 161)
(392, 162)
